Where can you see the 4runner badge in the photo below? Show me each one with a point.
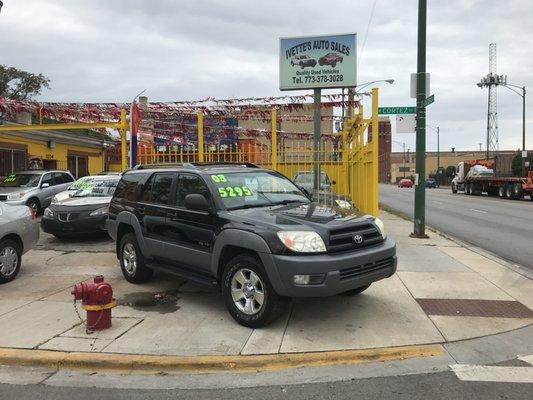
(358, 239)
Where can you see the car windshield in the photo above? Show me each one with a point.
(98, 188)
(256, 189)
(20, 180)
(303, 178)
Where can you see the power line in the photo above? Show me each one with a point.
(366, 32)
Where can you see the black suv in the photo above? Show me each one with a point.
(249, 230)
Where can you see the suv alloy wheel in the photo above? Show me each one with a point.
(132, 262)
(249, 296)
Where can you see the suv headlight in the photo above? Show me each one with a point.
(54, 200)
(100, 211)
(16, 196)
(48, 213)
(381, 226)
(302, 241)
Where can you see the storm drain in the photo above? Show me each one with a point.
(475, 308)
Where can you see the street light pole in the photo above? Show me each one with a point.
(523, 95)
(420, 187)
(523, 129)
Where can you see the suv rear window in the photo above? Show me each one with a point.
(126, 188)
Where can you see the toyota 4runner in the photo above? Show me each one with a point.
(248, 230)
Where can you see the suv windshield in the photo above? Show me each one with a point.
(256, 189)
(20, 180)
(98, 188)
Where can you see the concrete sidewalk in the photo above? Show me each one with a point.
(443, 292)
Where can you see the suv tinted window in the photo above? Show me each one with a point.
(126, 188)
(190, 184)
(157, 190)
(60, 178)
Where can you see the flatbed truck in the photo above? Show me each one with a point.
(512, 188)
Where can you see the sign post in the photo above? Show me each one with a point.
(317, 62)
(420, 165)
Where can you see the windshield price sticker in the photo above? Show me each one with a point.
(10, 178)
(234, 191)
(219, 178)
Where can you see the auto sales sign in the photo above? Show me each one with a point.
(317, 62)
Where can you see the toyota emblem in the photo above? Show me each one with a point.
(358, 239)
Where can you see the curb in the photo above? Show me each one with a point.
(152, 363)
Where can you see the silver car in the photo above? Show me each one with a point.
(34, 189)
(19, 232)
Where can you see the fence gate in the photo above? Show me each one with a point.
(348, 160)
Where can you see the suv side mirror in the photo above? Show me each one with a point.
(45, 185)
(196, 202)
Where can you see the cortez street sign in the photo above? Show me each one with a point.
(396, 110)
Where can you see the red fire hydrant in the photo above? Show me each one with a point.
(97, 300)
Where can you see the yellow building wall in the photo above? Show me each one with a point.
(39, 148)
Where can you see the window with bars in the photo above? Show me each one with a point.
(12, 160)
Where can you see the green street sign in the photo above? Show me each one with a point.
(396, 110)
(429, 100)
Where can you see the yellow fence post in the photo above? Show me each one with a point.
(273, 130)
(123, 142)
(200, 136)
(374, 200)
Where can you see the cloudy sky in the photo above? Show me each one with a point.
(108, 51)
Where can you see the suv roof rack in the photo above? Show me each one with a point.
(225, 164)
(161, 165)
(193, 165)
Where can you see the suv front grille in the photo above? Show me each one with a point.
(353, 272)
(3, 197)
(344, 239)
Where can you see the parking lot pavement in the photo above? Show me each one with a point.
(442, 292)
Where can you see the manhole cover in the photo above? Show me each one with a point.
(475, 308)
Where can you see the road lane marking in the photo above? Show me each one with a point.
(479, 211)
(484, 373)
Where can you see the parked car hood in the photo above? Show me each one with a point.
(297, 216)
(84, 201)
(15, 189)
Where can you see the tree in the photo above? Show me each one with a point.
(450, 171)
(516, 164)
(16, 84)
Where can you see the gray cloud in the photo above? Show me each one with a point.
(109, 50)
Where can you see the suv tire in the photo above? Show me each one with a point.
(10, 258)
(250, 298)
(132, 262)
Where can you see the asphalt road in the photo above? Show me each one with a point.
(502, 227)
(437, 386)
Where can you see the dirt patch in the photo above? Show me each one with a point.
(161, 302)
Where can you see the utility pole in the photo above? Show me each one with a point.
(492, 81)
(316, 140)
(420, 187)
(403, 159)
(523, 129)
(438, 150)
